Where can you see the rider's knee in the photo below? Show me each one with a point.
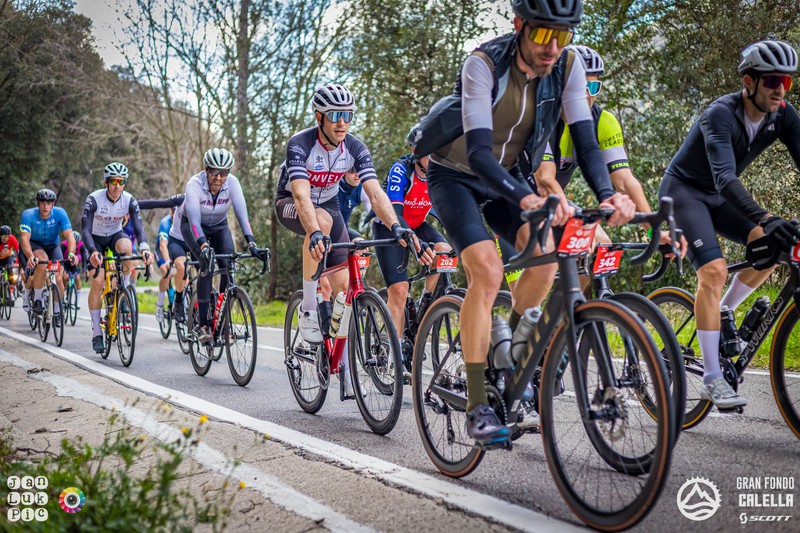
(713, 275)
(398, 291)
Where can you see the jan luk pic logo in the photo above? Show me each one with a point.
(71, 500)
(698, 499)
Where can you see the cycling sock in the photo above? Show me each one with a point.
(736, 294)
(161, 295)
(309, 295)
(37, 294)
(179, 296)
(58, 308)
(709, 347)
(513, 320)
(476, 385)
(95, 314)
(126, 280)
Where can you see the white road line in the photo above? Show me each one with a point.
(474, 502)
(273, 489)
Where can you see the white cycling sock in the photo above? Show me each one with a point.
(126, 280)
(709, 347)
(309, 295)
(95, 314)
(37, 294)
(736, 294)
(161, 295)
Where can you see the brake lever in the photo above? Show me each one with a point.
(326, 241)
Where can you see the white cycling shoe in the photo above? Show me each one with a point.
(309, 326)
(722, 394)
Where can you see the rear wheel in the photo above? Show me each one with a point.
(126, 328)
(56, 306)
(5, 300)
(785, 384)
(306, 364)
(133, 298)
(240, 337)
(198, 353)
(43, 320)
(72, 304)
(165, 324)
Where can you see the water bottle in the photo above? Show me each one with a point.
(730, 344)
(338, 311)
(519, 342)
(501, 344)
(218, 306)
(753, 317)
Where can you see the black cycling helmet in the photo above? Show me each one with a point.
(549, 12)
(5, 230)
(45, 195)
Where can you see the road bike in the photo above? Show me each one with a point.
(51, 316)
(71, 299)
(374, 357)
(8, 283)
(608, 456)
(232, 320)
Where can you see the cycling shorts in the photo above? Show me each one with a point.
(108, 242)
(288, 217)
(391, 257)
(53, 252)
(459, 200)
(177, 248)
(702, 216)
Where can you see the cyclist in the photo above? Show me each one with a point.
(703, 179)
(80, 266)
(176, 250)
(40, 228)
(407, 189)
(9, 248)
(204, 225)
(307, 195)
(101, 229)
(351, 194)
(163, 261)
(511, 93)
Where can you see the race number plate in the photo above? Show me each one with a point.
(445, 263)
(577, 237)
(363, 261)
(607, 261)
(796, 253)
(54, 266)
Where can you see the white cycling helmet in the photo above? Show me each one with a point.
(592, 61)
(768, 56)
(115, 169)
(333, 97)
(218, 158)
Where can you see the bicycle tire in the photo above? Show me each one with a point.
(133, 298)
(107, 338)
(661, 330)
(781, 386)
(453, 452)
(165, 324)
(556, 407)
(199, 355)
(43, 320)
(180, 327)
(306, 365)
(126, 328)
(374, 354)
(56, 303)
(677, 306)
(240, 333)
(72, 304)
(5, 304)
(32, 322)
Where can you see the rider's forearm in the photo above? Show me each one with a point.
(381, 205)
(486, 166)
(306, 213)
(25, 245)
(162, 245)
(625, 182)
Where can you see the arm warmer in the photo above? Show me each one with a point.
(173, 201)
(136, 220)
(590, 159)
(738, 196)
(483, 162)
(87, 220)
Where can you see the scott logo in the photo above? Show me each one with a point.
(744, 518)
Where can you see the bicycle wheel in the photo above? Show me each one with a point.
(660, 329)
(133, 298)
(105, 328)
(165, 324)
(376, 364)
(608, 457)
(677, 305)
(5, 301)
(240, 337)
(441, 423)
(307, 365)
(56, 305)
(43, 320)
(200, 355)
(72, 304)
(786, 385)
(180, 327)
(126, 327)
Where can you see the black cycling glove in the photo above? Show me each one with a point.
(205, 259)
(399, 232)
(314, 239)
(783, 233)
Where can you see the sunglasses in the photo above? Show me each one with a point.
(543, 35)
(593, 87)
(116, 181)
(336, 116)
(218, 172)
(773, 81)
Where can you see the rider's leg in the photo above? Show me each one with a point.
(95, 296)
(124, 247)
(710, 281)
(40, 274)
(309, 265)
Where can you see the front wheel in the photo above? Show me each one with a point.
(57, 307)
(5, 300)
(126, 327)
(165, 324)
(307, 364)
(72, 304)
(376, 364)
(43, 320)
(786, 386)
(199, 354)
(240, 336)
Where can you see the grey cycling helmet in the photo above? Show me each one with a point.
(549, 12)
(412, 135)
(218, 158)
(45, 195)
(115, 169)
(333, 97)
(592, 61)
(768, 56)
(5, 230)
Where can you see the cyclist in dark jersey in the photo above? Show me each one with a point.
(475, 138)
(351, 194)
(703, 179)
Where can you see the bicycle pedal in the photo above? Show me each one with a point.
(504, 444)
(739, 409)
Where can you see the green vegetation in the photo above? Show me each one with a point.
(270, 314)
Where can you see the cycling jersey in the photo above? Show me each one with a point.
(307, 158)
(717, 150)
(103, 217)
(164, 228)
(11, 245)
(609, 137)
(409, 191)
(201, 208)
(45, 232)
(350, 197)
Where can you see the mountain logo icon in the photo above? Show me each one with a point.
(698, 499)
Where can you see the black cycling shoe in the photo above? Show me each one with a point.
(57, 319)
(204, 336)
(38, 307)
(97, 344)
(485, 427)
(178, 313)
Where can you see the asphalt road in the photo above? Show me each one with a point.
(728, 450)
